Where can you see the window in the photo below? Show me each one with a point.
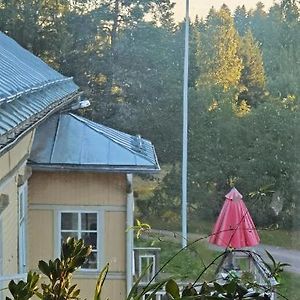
(22, 211)
(82, 225)
(147, 261)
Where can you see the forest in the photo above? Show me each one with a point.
(244, 88)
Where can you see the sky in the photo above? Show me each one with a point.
(201, 7)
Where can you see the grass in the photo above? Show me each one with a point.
(281, 238)
(174, 225)
(276, 237)
(289, 286)
(145, 188)
(188, 264)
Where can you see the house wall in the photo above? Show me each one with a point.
(51, 192)
(12, 164)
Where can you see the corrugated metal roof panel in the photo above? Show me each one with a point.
(29, 88)
(21, 71)
(70, 141)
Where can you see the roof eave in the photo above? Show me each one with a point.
(93, 168)
(38, 118)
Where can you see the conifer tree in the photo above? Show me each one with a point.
(241, 20)
(219, 63)
(253, 74)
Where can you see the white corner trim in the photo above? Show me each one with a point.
(129, 235)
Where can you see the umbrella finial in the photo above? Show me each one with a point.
(232, 181)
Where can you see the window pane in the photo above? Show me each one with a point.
(91, 262)
(69, 221)
(90, 239)
(88, 221)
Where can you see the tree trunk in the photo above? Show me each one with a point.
(112, 54)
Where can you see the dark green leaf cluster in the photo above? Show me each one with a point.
(59, 272)
(24, 290)
(232, 290)
(275, 268)
(75, 252)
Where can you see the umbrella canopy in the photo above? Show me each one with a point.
(234, 227)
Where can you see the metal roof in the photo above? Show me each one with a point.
(70, 142)
(29, 89)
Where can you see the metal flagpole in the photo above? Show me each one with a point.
(185, 128)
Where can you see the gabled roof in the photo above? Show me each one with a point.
(29, 90)
(70, 142)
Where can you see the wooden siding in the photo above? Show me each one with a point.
(9, 240)
(74, 188)
(11, 159)
(115, 239)
(52, 192)
(113, 289)
(40, 226)
(12, 164)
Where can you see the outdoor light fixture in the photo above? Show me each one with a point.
(81, 104)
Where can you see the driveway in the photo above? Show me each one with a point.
(283, 255)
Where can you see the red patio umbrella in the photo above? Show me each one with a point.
(234, 227)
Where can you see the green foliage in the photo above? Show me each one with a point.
(253, 74)
(289, 286)
(222, 147)
(24, 290)
(59, 273)
(100, 282)
(241, 20)
(74, 253)
(140, 228)
(276, 268)
(243, 90)
(234, 289)
(219, 63)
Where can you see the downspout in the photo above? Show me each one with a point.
(130, 233)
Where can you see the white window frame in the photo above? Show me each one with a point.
(22, 230)
(80, 231)
(150, 259)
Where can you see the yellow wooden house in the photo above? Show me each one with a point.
(62, 175)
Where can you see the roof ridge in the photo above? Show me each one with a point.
(34, 89)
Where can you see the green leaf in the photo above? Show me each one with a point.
(271, 258)
(173, 289)
(219, 288)
(100, 282)
(153, 288)
(230, 287)
(189, 291)
(134, 288)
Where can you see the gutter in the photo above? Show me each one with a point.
(129, 234)
(92, 168)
